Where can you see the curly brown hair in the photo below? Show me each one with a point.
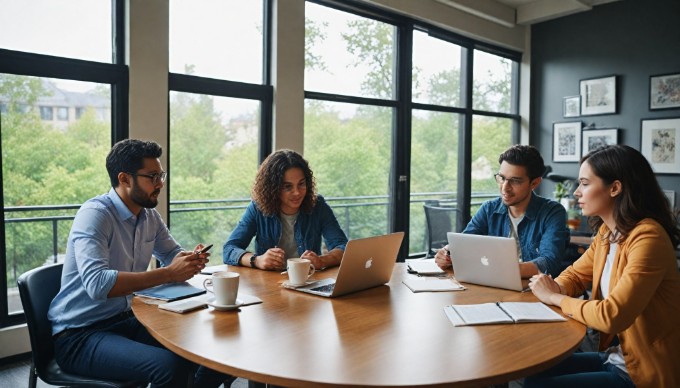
(269, 181)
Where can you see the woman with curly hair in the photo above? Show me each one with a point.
(631, 265)
(286, 217)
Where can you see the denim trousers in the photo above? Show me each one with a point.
(583, 370)
(125, 350)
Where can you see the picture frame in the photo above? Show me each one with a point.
(594, 138)
(660, 144)
(670, 195)
(571, 106)
(598, 96)
(664, 91)
(567, 141)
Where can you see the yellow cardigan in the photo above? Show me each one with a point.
(643, 306)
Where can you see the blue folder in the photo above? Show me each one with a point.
(171, 291)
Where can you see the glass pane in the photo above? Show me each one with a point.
(48, 161)
(202, 39)
(492, 83)
(78, 29)
(490, 137)
(434, 169)
(436, 71)
(354, 175)
(348, 54)
(213, 161)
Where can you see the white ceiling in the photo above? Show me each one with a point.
(524, 12)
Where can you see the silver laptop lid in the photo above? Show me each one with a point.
(485, 260)
(366, 263)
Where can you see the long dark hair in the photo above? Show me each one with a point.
(641, 196)
(269, 181)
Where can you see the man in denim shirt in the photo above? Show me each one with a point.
(287, 219)
(538, 224)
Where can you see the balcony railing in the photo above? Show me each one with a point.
(57, 226)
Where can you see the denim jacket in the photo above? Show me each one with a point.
(308, 230)
(543, 233)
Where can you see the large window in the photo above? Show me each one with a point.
(60, 114)
(395, 109)
(349, 145)
(220, 109)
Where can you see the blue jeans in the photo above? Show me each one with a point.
(581, 370)
(124, 350)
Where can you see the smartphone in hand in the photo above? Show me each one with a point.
(205, 249)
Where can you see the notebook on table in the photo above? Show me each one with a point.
(485, 260)
(171, 291)
(366, 263)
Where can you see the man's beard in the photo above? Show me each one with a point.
(142, 199)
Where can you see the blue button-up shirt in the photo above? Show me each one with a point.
(106, 238)
(308, 230)
(543, 234)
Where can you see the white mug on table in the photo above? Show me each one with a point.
(299, 270)
(224, 287)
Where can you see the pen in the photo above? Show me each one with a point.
(526, 289)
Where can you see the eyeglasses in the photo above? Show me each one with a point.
(156, 178)
(514, 182)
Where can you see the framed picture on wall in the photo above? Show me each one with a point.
(664, 91)
(594, 138)
(567, 141)
(661, 144)
(670, 195)
(598, 96)
(571, 106)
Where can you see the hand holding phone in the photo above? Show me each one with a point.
(204, 250)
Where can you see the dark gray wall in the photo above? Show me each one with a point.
(632, 39)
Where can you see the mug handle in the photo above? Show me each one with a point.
(311, 266)
(206, 285)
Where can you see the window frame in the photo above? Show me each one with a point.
(264, 93)
(39, 65)
(399, 201)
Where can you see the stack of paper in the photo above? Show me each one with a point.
(431, 284)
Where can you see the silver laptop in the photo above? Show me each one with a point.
(366, 263)
(485, 260)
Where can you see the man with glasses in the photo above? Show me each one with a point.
(108, 252)
(538, 224)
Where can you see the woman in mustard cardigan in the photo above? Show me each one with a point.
(635, 281)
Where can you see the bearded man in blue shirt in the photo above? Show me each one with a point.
(538, 224)
(109, 249)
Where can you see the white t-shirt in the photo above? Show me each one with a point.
(615, 354)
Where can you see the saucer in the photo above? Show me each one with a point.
(225, 307)
(288, 284)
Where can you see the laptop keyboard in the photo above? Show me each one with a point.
(326, 288)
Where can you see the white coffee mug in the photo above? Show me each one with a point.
(224, 287)
(299, 270)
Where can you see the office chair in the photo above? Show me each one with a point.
(440, 220)
(37, 288)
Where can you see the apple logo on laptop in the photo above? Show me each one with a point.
(369, 263)
(485, 260)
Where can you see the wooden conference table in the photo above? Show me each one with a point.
(384, 336)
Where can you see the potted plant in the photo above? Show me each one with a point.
(562, 193)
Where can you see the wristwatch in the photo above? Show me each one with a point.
(252, 261)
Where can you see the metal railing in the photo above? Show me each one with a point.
(341, 205)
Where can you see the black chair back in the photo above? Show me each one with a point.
(440, 220)
(37, 288)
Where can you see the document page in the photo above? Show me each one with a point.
(530, 312)
(480, 314)
(425, 267)
(431, 284)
